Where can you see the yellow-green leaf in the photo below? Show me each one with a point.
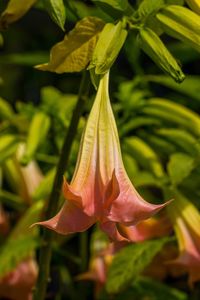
(75, 51)
(14, 11)
(153, 46)
(56, 10)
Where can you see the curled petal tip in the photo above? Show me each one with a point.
(68, 220)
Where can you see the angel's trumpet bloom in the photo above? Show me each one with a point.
(100, 189)
(18, 284)
(186, 221)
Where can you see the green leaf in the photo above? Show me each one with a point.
(14, 251)
(43, 190)
(56, 10)
(130, 164)
(145, 288)
(138, 122)
(14, 11)
(130, 262)
(165, 147)
(8, 146)
(156, 290)
(173, 113)
(57, 104)
(74, 53)
(12, 200)
(181, 23)
(120, 5)
(148, 7)
(194, 5)
(180, 167)
(115, 8)
(24, 59)
(31, 216)
(182, 139)
(189, 87)
(144, 155)
(153, 46)
(6, 111)
(144, 179)
(177, 2)
(37, 133)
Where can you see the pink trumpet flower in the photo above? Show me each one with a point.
(186, 221)
(100, 190)
(18, 284)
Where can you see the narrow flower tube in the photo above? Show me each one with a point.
(100, 190)
(186, 221)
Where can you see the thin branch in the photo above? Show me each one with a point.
(48, 236)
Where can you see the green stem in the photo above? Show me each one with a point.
(83, 250)
(48, 236)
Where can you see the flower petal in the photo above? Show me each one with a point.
(112, 192)
(129, 207)
(145, 230)
(89, 198)
(189, 244)
(69, 219)
(111, 230)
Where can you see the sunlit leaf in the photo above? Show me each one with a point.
(38, 131)
(14, 11)
(144, 154)
(56, 10)
(147, 7)
(189, 87)
(8, 146)
(173, 112)
(75, 51)
(43, 190)
(6, 110)
(180, 166)
(182, 139)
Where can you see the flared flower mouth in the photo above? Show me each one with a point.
(100, 189)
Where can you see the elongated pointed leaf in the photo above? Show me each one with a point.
(56, 10)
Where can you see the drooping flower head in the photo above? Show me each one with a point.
(186, 221)
(100, 189)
